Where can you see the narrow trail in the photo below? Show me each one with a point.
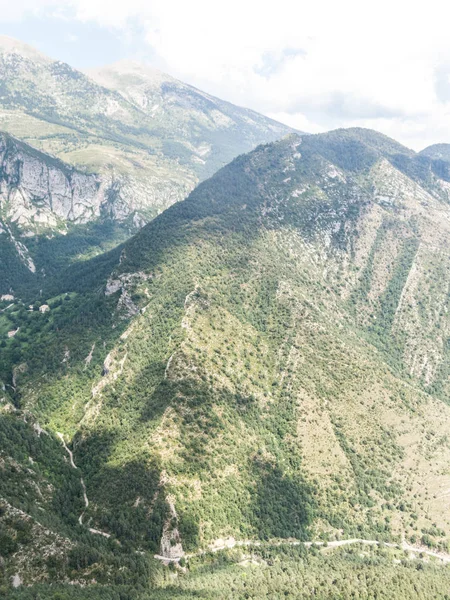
(69, 452)
(416, 550)
(85, 498)
(4, 309)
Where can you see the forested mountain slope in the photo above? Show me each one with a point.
(437, 151)
(267, 359)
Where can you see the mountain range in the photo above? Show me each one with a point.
(239, 394)
(141, 138)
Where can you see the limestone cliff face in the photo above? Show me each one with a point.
(38, 191)
(42, 195)
(171, 546)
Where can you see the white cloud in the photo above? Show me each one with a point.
(315, 65)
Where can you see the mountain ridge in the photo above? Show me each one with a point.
(118, 118)
(13, 46)
(437, 151)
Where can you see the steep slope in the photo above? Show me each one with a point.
(267, 359)
(152, 163)
(38, 191)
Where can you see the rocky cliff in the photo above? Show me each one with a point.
(42, 198)
(38, 191)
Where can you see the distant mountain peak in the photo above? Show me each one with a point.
(9, 45)
(146, 138)
(129, 65)
(369, 137)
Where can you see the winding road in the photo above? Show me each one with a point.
(443, 557)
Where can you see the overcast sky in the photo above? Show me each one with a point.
(314, 65)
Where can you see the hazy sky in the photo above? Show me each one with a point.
(314, 65)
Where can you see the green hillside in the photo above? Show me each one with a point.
(437, 151)
(264, 362)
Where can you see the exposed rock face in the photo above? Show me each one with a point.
(38, 191)
(129, 142)
(125, 306)
(171, 546)
(20, 248)
(40, 194)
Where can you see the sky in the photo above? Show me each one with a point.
(315, 65)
